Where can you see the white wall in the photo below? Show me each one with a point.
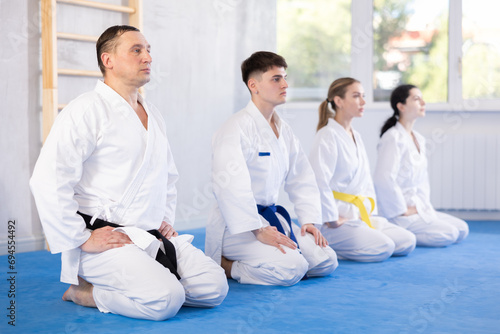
(19, 121)
(198, 47)
(437, 127)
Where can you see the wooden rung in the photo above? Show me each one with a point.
(99, 5)
(79, 73)
(77, 37)
(61, 106)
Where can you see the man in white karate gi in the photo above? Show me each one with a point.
(107, 159)
(254, 153)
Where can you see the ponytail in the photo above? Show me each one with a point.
(398, 95)
(337, 88)
(391, 121)
(324, 114)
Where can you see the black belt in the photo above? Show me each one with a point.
(168, 260)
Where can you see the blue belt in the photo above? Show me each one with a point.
(269, 214)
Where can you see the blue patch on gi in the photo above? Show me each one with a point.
(264, 154)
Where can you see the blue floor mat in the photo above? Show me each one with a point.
(433, 290)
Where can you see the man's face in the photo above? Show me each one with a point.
(271, 86)
(131, 60)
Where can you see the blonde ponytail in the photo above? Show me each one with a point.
(324, 114)
(337, 88)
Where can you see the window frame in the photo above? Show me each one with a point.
(362, 62)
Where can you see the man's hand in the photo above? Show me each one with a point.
(318, 237)
(270, 235)
(412, 210)
(337, 223)
(167, 230)
(103, 239)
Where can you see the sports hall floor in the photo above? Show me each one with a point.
(434, 290)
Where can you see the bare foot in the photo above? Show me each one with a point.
(80, 294)
(226, 265)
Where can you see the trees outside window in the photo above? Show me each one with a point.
(450, 49)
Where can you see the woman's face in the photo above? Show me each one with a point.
(414, 106)
(353, 102)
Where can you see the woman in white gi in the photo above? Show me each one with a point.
(107, 156)
(340, 163)
(255, 153)
(401, 179)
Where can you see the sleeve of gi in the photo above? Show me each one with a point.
(231, 180)
(58, 169)
(390, 197)
(424, 189)
(300, 184)
(323, 158)
(171, 202)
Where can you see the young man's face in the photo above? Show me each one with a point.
(271, 86)
(131, 60)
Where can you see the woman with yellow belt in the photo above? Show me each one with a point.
(340, 163)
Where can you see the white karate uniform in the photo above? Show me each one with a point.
(100, 160)
(341, 164)
(401, 180)
(250, 164)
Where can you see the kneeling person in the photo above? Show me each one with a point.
(257, 153)
(104, 178)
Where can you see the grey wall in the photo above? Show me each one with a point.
(197, 48)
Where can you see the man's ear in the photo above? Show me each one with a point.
(252, 85)
(107, 60)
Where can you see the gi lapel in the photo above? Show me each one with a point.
(268, 136)
(135, 184)
(354, 158)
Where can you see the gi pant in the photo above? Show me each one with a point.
(355, 240)
(258, 263)
(442, 231)
(129, 282)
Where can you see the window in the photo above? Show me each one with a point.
(314, 37)
(480, 50)
(449, 49)
(410, 44)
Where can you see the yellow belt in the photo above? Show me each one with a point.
(357, 200)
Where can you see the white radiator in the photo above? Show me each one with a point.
(464, 171)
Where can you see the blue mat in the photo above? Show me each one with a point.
(445, 290)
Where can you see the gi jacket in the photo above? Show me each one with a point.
(249, 166)
(100, 160)
(340, 164)
(401, 178)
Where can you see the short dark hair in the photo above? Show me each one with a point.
(107, 41)
(260, 61)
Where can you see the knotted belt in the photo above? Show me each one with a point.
(167, 259)
(269, 214)
(357, 200)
